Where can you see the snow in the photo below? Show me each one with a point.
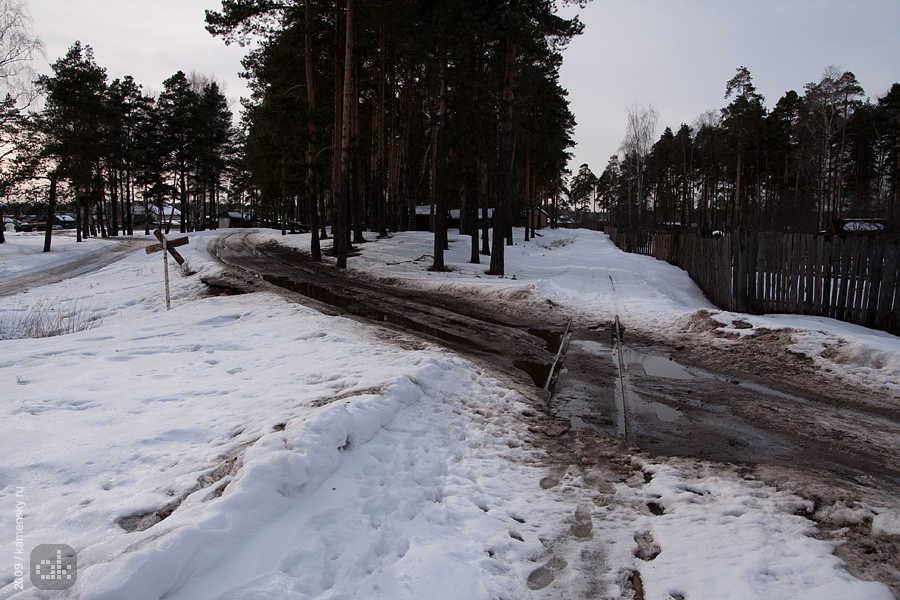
(24, 252)
(886, 523)
(309, 456)
(703, 518)
(579, 269)
(860, 226)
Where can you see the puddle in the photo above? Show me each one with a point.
(664, 413)
(621, 409)
(552, 338)
(656, 366)
(591, 347)
(573, 409)
(310, 291)
(770, 392)
(538, 371)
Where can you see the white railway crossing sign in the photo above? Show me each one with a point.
(167, 247)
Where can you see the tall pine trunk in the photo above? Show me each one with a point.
(504, 198)
(51, 212)
(358, 208)
(440, 170)
(182, 193)
(79, 215)
(380, 177)
(312, 149)
(342, 213)
(113, 202)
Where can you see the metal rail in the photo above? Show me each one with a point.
(563, 344)
(622, 382)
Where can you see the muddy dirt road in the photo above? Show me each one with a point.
(774, 408)
(82, 266)
(754, 405)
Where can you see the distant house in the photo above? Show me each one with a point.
(539, 218)
(65, 222)
(230, 218)
(170, 214)
(423, 218)
(856, 227)
(33, 223)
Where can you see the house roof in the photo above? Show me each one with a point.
(858, 225)
(167, 210)
(425, 210)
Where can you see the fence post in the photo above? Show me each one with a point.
(876, 281)
(739, 284)
(888, 297)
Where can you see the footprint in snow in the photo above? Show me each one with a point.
(545, 575)
(647, 548)
(583, 525)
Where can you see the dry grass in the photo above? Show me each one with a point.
(47, 317)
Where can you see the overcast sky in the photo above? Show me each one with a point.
(148, 39)
(674, 54)
(678, 55)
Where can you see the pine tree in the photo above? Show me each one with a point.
(213, 146)
(583, 188)
(177, 108)
(742, 121)
(415, 92)
(72, 122)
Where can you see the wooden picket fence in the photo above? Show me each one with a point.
(852, 279)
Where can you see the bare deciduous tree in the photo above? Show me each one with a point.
(18, 47)
(639, 136)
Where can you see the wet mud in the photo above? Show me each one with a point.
(520, 348)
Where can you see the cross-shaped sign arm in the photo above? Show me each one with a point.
(168, 245)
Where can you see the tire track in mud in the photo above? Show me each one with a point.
(515, 346)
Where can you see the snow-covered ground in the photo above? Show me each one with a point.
(246, 447)
(24, 252)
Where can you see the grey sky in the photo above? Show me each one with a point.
(148, 39)
(673, 54)
(678, 54)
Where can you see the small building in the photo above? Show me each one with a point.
(423, 218)
(456, 218)
(65, 222)
(538, 218)
(856, 227)
(170, 215)
(230, 218)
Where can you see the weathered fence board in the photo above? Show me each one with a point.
(854, 279)
(887, 299)
(876, 283)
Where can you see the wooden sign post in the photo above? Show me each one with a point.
(167, 247)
